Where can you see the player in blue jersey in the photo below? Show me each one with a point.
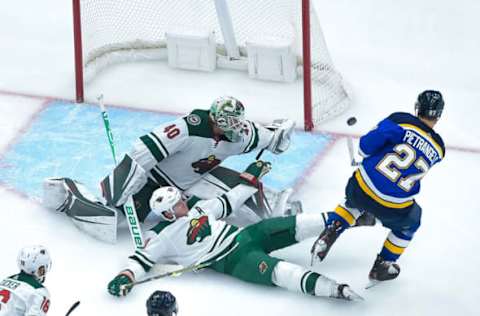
(397, 154)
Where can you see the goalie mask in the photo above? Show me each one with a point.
(34, 260)
(228, 114)
(163, 201)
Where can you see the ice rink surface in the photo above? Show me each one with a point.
(388, 51)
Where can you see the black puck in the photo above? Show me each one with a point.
(351, 121)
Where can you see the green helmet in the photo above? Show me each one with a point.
(228, 114)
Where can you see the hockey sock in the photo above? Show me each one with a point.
(394, 245)
(345, 215)
(308, 225)
(299, 279)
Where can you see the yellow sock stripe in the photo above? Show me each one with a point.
(393, 248)
(345, 214)
(378, 199)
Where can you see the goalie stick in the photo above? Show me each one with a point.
(350, 122)
(129, 206)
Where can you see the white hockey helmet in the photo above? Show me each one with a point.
(163, 200)
(34, 260)
(228, 114)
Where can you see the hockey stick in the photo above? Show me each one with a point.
(175, 273)
(193, 267)
(350, 122)
(75, 305)
(129, 206)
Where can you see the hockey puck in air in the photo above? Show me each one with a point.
(351, 121)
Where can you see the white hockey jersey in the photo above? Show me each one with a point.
(178, 153)
(22, 295)
(196, 238)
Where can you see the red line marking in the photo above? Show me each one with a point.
(316, 161)
(472, 150)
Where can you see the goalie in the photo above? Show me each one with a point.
(184, 153)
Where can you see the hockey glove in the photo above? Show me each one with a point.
(255, 171)
(282, 132)
(121, 285)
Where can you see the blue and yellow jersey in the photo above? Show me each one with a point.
(397, 154)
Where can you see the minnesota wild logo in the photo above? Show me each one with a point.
(198, 230)
(206, 164)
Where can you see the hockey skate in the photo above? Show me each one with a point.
(325, 241)
(344, 292)
(382, 270)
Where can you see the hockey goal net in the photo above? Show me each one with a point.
(112, 31)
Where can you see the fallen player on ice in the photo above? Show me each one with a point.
(196, 237)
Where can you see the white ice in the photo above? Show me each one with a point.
(387, 50)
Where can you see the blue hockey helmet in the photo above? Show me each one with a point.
(162, 303)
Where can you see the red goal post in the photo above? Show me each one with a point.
(102, 37)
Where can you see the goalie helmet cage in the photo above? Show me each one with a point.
(108, 31)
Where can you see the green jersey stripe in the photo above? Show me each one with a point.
(253, 140)
(227, 202)
(152, 147)
(223, 207)
(161, 144)
(145, 267)
(219, 237)
(141, 255)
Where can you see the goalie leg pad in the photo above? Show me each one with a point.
(54, 194)
(83, 208)
(126, 179)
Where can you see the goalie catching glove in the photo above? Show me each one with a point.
(255, 171)
(282, 132)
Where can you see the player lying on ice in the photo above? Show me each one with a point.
(195, 235)
(184, 153)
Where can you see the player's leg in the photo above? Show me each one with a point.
(253, 265)
(280, 232)
(398, 239)
(126, 179)
(349, 213)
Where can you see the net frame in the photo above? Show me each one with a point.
(324, 93)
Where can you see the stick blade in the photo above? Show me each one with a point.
(75, 305)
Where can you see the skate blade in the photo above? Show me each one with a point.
(371, 283)
(352, 295)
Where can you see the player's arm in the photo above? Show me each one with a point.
(274, 137)
(141, 262)
(162, 142)
(39, 303)
(226, 204)
(386, 132)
